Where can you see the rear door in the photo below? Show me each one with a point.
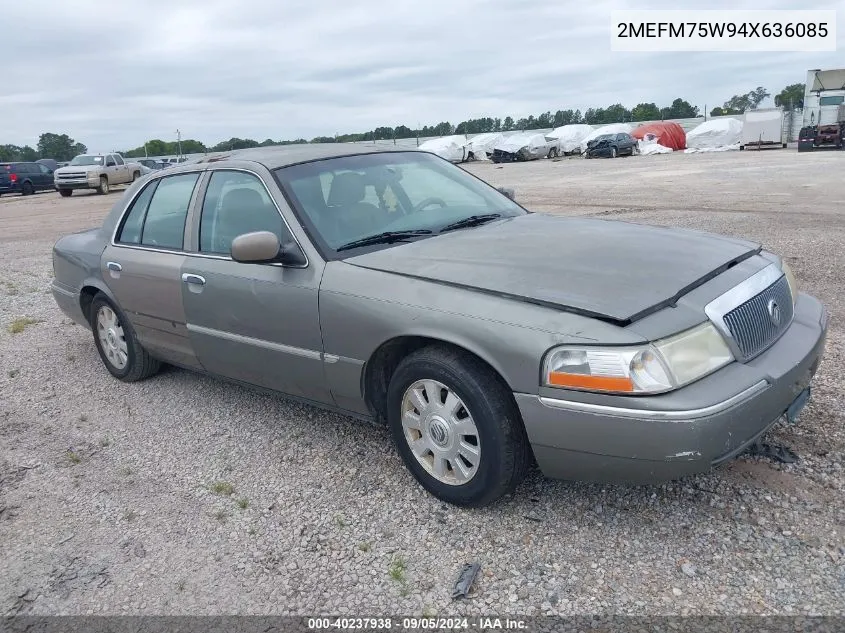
(122, 169)
(257, 323)
(142, 266)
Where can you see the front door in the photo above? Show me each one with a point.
(257, 323)
(143, 269)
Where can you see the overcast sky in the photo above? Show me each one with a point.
(113, 73)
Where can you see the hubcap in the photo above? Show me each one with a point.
(112, 340)
(440, 431)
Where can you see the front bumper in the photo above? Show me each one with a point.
(660, 438)
(76, 184)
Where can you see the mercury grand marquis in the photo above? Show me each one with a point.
(396, 286)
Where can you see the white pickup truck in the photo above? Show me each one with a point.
(95, 171)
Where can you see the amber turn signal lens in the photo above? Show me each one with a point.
(597, 383)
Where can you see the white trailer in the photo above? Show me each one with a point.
(762, 129)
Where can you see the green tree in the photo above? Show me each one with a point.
(16, 152)
(59, 146)
(681, 109)
(645, 112)
(791, 97)
(507, 126)
(740, 103)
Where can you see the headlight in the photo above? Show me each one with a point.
(790, 279)
(652, 368)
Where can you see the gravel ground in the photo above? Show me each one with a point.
(186, 495)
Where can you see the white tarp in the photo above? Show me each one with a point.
(515, 142)
(715, 135)
(571, 136)
(482, 145)
(452, 148)
(649, 145)
(613, 128)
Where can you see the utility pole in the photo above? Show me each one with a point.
(179, 143)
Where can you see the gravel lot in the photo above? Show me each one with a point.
(185, 495)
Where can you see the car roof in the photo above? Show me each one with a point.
(275, 156)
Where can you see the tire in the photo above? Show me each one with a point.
(552, 153)
(502, 454)
(65, 193)
(108, 337)
(27, 189)
(613, 152)
(104, 185)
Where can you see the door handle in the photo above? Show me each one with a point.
(114, 266)
(188, 278)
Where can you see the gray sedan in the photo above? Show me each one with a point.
(395, 286)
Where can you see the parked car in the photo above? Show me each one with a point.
(611, 146)
(150, 163)
(396, 286)
(95, 171)
(49, 163)
(525, 146)
(25, 178)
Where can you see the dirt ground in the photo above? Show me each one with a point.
(110, 495)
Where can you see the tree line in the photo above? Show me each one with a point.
(62, 148)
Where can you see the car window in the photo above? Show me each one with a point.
(343, 199)
(164, 224)
(130, 232)
(44, 169)
(235, 203)
(118, 159)
(109, 162)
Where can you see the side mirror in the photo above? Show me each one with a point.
(263, 247)
(510, 193)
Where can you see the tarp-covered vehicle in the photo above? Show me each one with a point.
(665, 133)
(524, 146)
(481, 147)
(571, 137)
(452, 148)
(715, 135)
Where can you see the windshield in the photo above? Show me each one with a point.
(87, 160)
(344, 199)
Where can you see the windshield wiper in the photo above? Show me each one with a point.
(384, 238)
(473, 220)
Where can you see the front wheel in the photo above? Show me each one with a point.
(457, 427)
(65, 193)
(613, 152)
(117, 344)
(27, 189)
(104, 185)
(552, 153)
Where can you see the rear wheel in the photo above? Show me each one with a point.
(117, 344)
(65, 193)
(456, 426)
(27, 189)
(104, 185)
(613, 152)
(553, 153)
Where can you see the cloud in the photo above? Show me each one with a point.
(113, 74)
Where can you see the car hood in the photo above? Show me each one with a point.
(608, 269)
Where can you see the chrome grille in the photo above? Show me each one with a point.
(751, 323)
